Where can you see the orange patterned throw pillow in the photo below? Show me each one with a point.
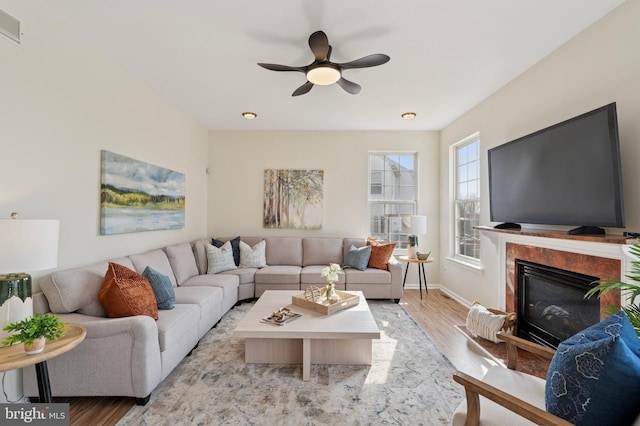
(125, 293)
(380, 254)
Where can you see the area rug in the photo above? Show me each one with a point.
(409, 382)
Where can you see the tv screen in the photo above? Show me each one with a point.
(566, 174)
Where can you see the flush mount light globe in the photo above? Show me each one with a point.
(324, 74)
(409, 115)
(249, 115)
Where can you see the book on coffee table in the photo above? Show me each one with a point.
(282, 320)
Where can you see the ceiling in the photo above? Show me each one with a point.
(446, 56)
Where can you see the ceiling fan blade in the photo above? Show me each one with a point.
(368, 61)
(319, 44)
(349, 86)
(303, 89)
(276, 67)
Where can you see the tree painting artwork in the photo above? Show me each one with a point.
(136, 196)
(293, 198)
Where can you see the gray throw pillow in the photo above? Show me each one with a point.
(162, 288)
(357, 258)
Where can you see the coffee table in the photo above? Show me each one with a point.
(341, 338)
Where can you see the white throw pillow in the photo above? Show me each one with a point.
(220, 259)
(253, 257)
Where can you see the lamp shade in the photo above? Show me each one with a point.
(418, 225)
(28, 245)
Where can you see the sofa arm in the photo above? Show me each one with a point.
(118, 357)
(474, 388)
(395, 268)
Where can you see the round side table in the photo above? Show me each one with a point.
(421, 274)
(13, 357)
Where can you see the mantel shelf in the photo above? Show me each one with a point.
(609, 238)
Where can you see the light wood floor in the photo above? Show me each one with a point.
(436, 313)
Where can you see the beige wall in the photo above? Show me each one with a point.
(61, 102)
(237, 161)
(599, 66)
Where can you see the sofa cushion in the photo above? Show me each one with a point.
(278, 274)
(176, 323)
(157, 259)
(219, 259)
(235, 247)
(594, 377)
(182, 261)
(284, 251)
(245, 275)
(76, 290)
(368, 276)
(126, 293)
(380, 253)
(162, 288)
(253, 257)
(321, 251)
(357, 257)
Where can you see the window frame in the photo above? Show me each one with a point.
(401, 248)
(455, 254)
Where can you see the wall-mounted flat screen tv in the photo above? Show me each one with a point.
(566, 174)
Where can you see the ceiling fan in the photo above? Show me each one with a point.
(324, 72)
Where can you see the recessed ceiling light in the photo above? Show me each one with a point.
(249, 115)
(409, 115)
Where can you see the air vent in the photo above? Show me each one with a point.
(9, 27)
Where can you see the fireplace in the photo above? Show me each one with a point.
(590, 267)
(550, 305)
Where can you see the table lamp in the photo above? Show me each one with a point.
(25, 245)
(418, 226)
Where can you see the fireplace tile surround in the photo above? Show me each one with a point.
(601, 257)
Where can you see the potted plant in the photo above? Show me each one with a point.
(34, 331)
(632, 309)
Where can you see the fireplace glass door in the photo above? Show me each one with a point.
(551, 303)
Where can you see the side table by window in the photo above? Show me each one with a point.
(13, 357)
(421, 274)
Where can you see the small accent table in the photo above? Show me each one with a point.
(421, 274)
(13, 357)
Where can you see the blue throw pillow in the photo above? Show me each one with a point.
(357, 258)
(235, 248)
(162, 288)
(594, 377)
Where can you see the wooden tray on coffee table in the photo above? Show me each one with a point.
(346, 301)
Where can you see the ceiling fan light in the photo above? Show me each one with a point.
(323, 75)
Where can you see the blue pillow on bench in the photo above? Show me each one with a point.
(594, 377)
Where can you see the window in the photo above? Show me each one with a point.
(392, 195)
(467, 198)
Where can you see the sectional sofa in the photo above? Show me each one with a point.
(130, 356)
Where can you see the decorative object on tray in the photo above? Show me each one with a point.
(282, 316)
(34, 331)
(326, 307)
(330, 273)
(312, 293)
(487, 322)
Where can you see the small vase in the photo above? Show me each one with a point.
(331, 294)
(36, 347)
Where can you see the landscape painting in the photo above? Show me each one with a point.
(136, 196)
(293, 198)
